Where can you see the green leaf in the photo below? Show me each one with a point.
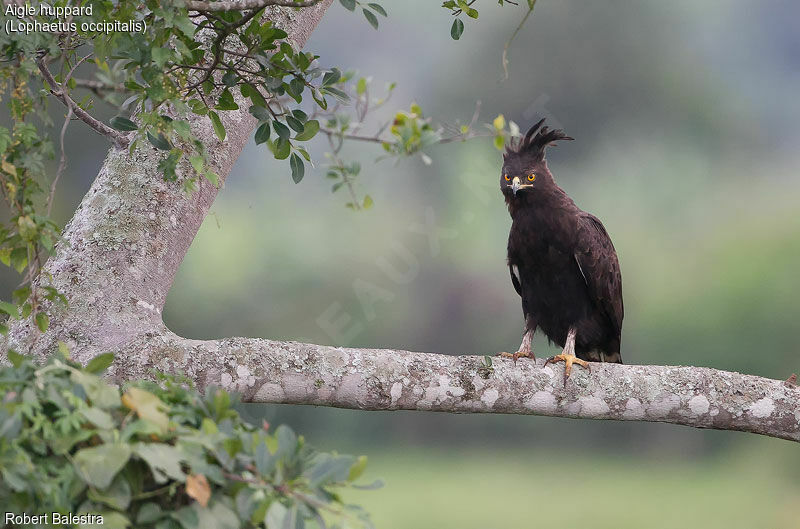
(15, 358)
(281, 148)
(10, 309)
(219, 128)
(123, 124)
(262, 133)
(101, 394)
(42, 321)
(169, 165)
(276, 515)
(188, 517)
(281, 130)
(371, 18)
(230, 78)
(265, 462)
(358, 468)
(113, 520)
(159, 142)
(331, 77)
(27, 228)
(371, 486)
(377, 8)
(338, 94)
(328, 469)
(226, 101)
(348, 4)
(212, 177)
(19, 259)
(98, 417)
(149, 512)
(294, 123)
(309, 130)
(255, 96)
(100, 363)
(298, 167)
(160, 55)
(368, 202)
(296, 87)
(164, 460)
(457, 29)
(499, 142)
(98, 465)
(117, 496)
(260, 113)
(198, 162)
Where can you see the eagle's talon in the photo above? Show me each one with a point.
(568, 360)
(519, 354)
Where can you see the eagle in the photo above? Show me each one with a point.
(561, 259)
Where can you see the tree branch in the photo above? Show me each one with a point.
(98, 86)
(119, 139)
(241, 5)
(268, 371)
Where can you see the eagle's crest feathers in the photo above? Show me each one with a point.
(535, 141)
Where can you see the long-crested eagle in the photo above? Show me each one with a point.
(561, 259)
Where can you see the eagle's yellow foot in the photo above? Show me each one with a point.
(568, 360)
(519, 354)
(524, 348)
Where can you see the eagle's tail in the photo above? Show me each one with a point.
(601, 356)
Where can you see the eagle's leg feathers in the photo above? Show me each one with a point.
(568, 356)
(525, 350)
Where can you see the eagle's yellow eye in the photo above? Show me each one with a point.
(531, 177)
(507, 178)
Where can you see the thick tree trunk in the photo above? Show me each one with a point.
(123, 247)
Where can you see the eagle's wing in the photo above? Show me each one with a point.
(514, 271)
(598, 263)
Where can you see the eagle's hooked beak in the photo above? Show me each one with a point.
(515, 185)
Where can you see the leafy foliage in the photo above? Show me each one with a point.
(157, 455)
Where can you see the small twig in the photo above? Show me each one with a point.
(65, 80)
(62, 163)
(97, 86)
(241, 5)
(348, 136)
(119, 139)
(513, 36)
(340, 164)
(377, 139)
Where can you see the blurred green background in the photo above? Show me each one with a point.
(687, 146)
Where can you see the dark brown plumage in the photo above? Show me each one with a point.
(561, 258)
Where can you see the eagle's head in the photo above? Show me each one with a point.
(524, 165)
